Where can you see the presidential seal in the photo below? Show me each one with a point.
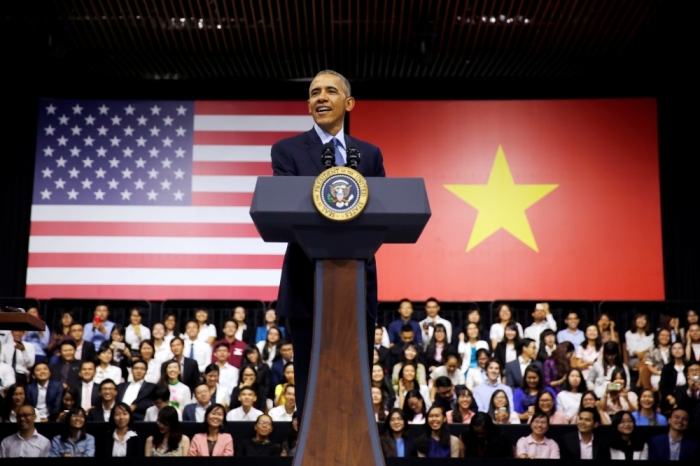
(340, 193)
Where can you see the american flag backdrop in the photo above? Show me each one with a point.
(150, 199)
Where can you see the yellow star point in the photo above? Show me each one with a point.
(501, 203)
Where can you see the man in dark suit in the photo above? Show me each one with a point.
(84, 350)
(102, 410)
(189, 371)
(137, 394)
(44, 393)
(585, 444)
(674, 446)
(67, 369)
(329, 100)
(527, 355)
(286, 351)
(89, 391)
(688, 396)
(194, 412)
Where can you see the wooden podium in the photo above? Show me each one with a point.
(20, 321)
(335, 431)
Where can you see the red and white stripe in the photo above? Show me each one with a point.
(210, 250)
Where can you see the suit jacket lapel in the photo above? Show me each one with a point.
(314, 145)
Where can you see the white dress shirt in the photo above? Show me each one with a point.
(568, 403)
(429, 334)
(228, 377)
(279, 414)
(36, 446)
(41, 408)
(132, 339)
(132, 392)
(239, 415)
(7, 377)
(112, 372)
(119, 447)
(106, 412)
(223, 395)
(24, 359)
(271, 356)
(534, 330)
(152, 414)
(163, 353)
(205, 333)
(586, 448)
(498, 332)
(199, 412)
(636, 342)
(202, 353)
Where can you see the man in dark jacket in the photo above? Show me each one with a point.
(137, 394)
(585, 444)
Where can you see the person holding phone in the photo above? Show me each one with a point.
(617, 396)
(99, 330)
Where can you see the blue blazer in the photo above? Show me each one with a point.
(190, 412)
(54, 393)
(301, 156)
(660, 450)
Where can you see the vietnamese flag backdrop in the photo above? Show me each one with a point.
(568, 209)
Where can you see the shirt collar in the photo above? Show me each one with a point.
(129, 434)
(327, 137)
(36, 434)
(139, 383)
(531, 440)
(580, 439)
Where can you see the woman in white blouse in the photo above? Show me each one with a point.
(135, 331)
(161, 343)
(638, 340)
(589, 351)
(505, 316)
(180, 394)
(207, 331)
(105, 370)
(469, 345)
(122, 442)
(569, 398)
(599, 375)
(146, 352)
(268, 347)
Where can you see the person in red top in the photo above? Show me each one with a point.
(235, 347)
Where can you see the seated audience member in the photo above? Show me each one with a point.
(136, 332)
(647, 415)
(411, 354)
(670, 321)
(483, 439)
(437, 441)
(396, 441)
(692, 348)
(414, 407)
(27, 443)
(497, 332)
(546, 345)
(67, 369)
(691, 317)
(687, 396)
(638, 341)
(657, 357)
(168, 439)
(569, 398)
(189, 370)
(161, 344)
(429, 325)
(99, 330)
(473, 317)
(246, 411)
(89, 390)
(606, 327)
(617, 396)
(260, 445)
(381, 381)
(172, 329)
(438, 348)
(252, 357)
(477, 375)
(500, 409)
(105, 368)
(69, 400)
(408, 382)
(62, 332)
(672, 376)
(289, 446)
(396, 327)
(121, 353)
(674, 446)
(280, 388)
(600, 374)
(180, 394)
(483, 393)
(213, 440)
(103, 410)
(506, 350)
(7, 377)
(270, 346)
(235, 346)
(285, 412)
(137, 394)
(270, 321)
(39, 339)
(248, 377)
(195, 412)
(584, 444)
(379, 406)
(243, 333)
(626, 443)
(525, 396)
(19, 357)
(73, 441)
(469, 344)
(383, 354)
(43, 393)
(515, 370)
(161, 399)
(286, 356)
(228, 375)
(545, 403)
(537, 445)
(407, 337)
(571, 333)
(146, 353)
(84, 350)
(463, 410)
(195, 349)
(218, 393)
(557, 366)
(443, 394)
(15, 398)
(589, 351)
(207, 331)
(590, 400)
(121, 441)
(542, 320)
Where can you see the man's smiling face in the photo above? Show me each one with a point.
(328, 102)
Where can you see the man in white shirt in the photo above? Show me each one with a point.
(245, 412)
(18, 356)
(161, 399)
(432, 307)
(108, 394)
(228, 375)
(515, 370)
(137, 394)
(195, 412)
(543, 320)
(27, 443)
(89, 393)
(284, 412)
(43, 393)
(194, 348)
(7, 377)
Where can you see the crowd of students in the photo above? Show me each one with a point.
(433, 372)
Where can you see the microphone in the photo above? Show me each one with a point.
(353, 155)
(328, 155)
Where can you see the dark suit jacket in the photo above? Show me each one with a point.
(189, 414)
(388, 445)
(134, 446)
(190, 376)
(384, 358)
(73, 373)
(684, 401)
(396, 353)
(514, 378)
(277, 373)
(97, 413)
(143, 399)
(88, 353)
(94, 396)
(301, 156)
(570, 448)
(660, 450)
(54, 393)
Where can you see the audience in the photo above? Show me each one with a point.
(536, 445)
(408, 382)
(691, 317)
(438, 348)
(497, 333)
(626, 443)
(27, 443)
(235, 346)
(62, 332)
(674, 446)
(546, 345)
(558, 365)
(672, 376)
(161, 399)
(99, 330)
(571, 333)
(213, 440)
(15, 398)
(546, 404)
(428, 326)
(289, 446)
(161, 344)
(469, 344)
(84, 350)
(43, 393)
(189, 369)
(506, 350)
(395, 442)
(647, 414)
(195, 349)
(656, 358)
(103, 410)
(617, 397)
(500, 409)
(147, 352)
(121, 441)
(167, 440)
(589, 351)
(569, 398)
(137, 393)
(525, 396)
(409, 355)
(17, 357)
(543, 319)
(206, 332)
(66, 370)
(70, 400)
(228, 375)
(606, 327)
(245, 411)
(285, 412)
(105, 369)
(600, 374)
(180, 394)
(692, 352)
(463, 410)
(484, 392)
(584, 444)
(396, 327)
(638, 341)
(260, 445)
(195, 412)
(437, 441)
(73, 441)
(270, 321)
(475, 376)
(414, 407)
(136, 332)
(527, 354)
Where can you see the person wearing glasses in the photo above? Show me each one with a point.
(537, 445)
(73, 441)
(260, 445)
(27, 442)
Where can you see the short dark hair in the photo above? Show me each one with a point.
(433, 300)
(75, 323)
(569, 312)
(107, 382)
(161, 393)
(247, 387)
(494, 361)
(177, 338)
(405, 300)
(230, 320)
(139, 361)
(90, 361)
(283, 342)
(221, 344)
(406, 328)
(44, 363)
(538, 414)
(199, 384)
(442, 382)
(523, 343)
(594, 412)
(690, 364)
(69, 343)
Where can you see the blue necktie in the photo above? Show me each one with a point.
(339, 161)
(192, 351)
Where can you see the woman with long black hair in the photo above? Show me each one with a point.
(395, 442)
(437, 441)
(672, 376)
(252, 356)
(483, 439)
(599, 375)
(626, 443)
(213, 439)
(438, 348)
(74, 441)
(465, 408)
(168, 439)
(414, 408)
(121, 441)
